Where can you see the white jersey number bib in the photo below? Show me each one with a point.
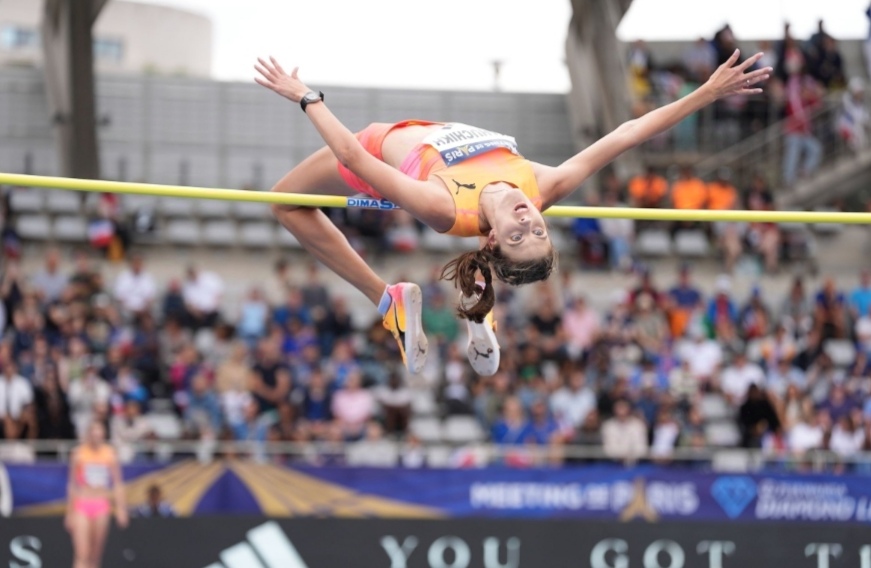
(457, 142)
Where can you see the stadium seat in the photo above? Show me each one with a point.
(34, 227)
(260, 235)
(213, 208)
(691, 243)
(133, 203)
(70, 229)
(438, 456)
(166, 426)
(182, 232)
(722, 434)
(369, 454)
(176, 207)
(423, 403)
(653, 242)
(286, 238)
(715, 407)
(27, 200)
(842, 352)
(439, 242)
(426, 429)
(251, 210)
(463, 429)
(64, 201)
(733, 461)
(219, 233)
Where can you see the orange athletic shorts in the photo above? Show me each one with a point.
(417, 164)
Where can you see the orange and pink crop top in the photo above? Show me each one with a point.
(93, 467)
(467, 159)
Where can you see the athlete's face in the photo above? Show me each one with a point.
(519, 228)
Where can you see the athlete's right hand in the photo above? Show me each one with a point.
(273, 77)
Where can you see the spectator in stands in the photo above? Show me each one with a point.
(129, 428)
(548, 324)
(754, 321)
(853, 117)
(839, 404)
(253, 317)
(666, 432)
(756, 417)
(293, 309)
(797, 310)
(86, 395)
(619, 233)
(645, 287)
(135, 288)
(336, 325)
(374, 450)
(759, 196)
(808, 433)
(17, 416)
(847, 439)
(781, 377)
(640, 66)
(544, 428)
(721, 315)
(860, 296)
(803, 96)
(736, 379)
(722, 195)
(688, 192)
(202, 292)
(50, 282)
(353, 406)
(395, 401)
(572, 402)
(649, 326)
(624, 436)
(271, 381)
(277, 286)
(703, 355)
(683, 303)
(648, 190)
(700, 60)
(825, 63)
(440, 321)
(456, 394)
(513, 429)
(202, 413)
(317, 402)
(777, 347)
(172, 307)
(52, 408)
(253, 429)
(591, 239)
(154, 507)
(830, 312)
(581, 325)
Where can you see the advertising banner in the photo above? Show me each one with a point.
(596, 492)
(258, 542)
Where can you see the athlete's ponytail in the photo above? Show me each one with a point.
(463, 271)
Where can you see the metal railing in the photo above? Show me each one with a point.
(389, 452)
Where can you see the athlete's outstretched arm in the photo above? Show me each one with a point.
(392, 184)
(729, 79)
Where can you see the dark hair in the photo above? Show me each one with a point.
(463, 269)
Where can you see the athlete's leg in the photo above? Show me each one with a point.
(400, 304)
(99, 532)
(80, 533)
(319, 174)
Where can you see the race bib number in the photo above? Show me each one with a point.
(96, 475)
(457, 142)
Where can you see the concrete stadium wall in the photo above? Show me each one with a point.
(200, 132)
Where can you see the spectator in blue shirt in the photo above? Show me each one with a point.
(545, 430)
(203, 410)
(683, 300)
(154, 507)
(513, 429)
(294, 308)
(860, 297)
(830, 312)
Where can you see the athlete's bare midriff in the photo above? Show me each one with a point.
(400, 141)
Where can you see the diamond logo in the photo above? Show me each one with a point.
(734, 493)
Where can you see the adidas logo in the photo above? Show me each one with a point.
(266, 547)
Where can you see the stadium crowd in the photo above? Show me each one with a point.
(806, 73)
(636, 377)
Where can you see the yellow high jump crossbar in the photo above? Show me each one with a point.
(365, 202)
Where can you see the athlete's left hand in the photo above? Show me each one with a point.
(276, 79)
(731, 79)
